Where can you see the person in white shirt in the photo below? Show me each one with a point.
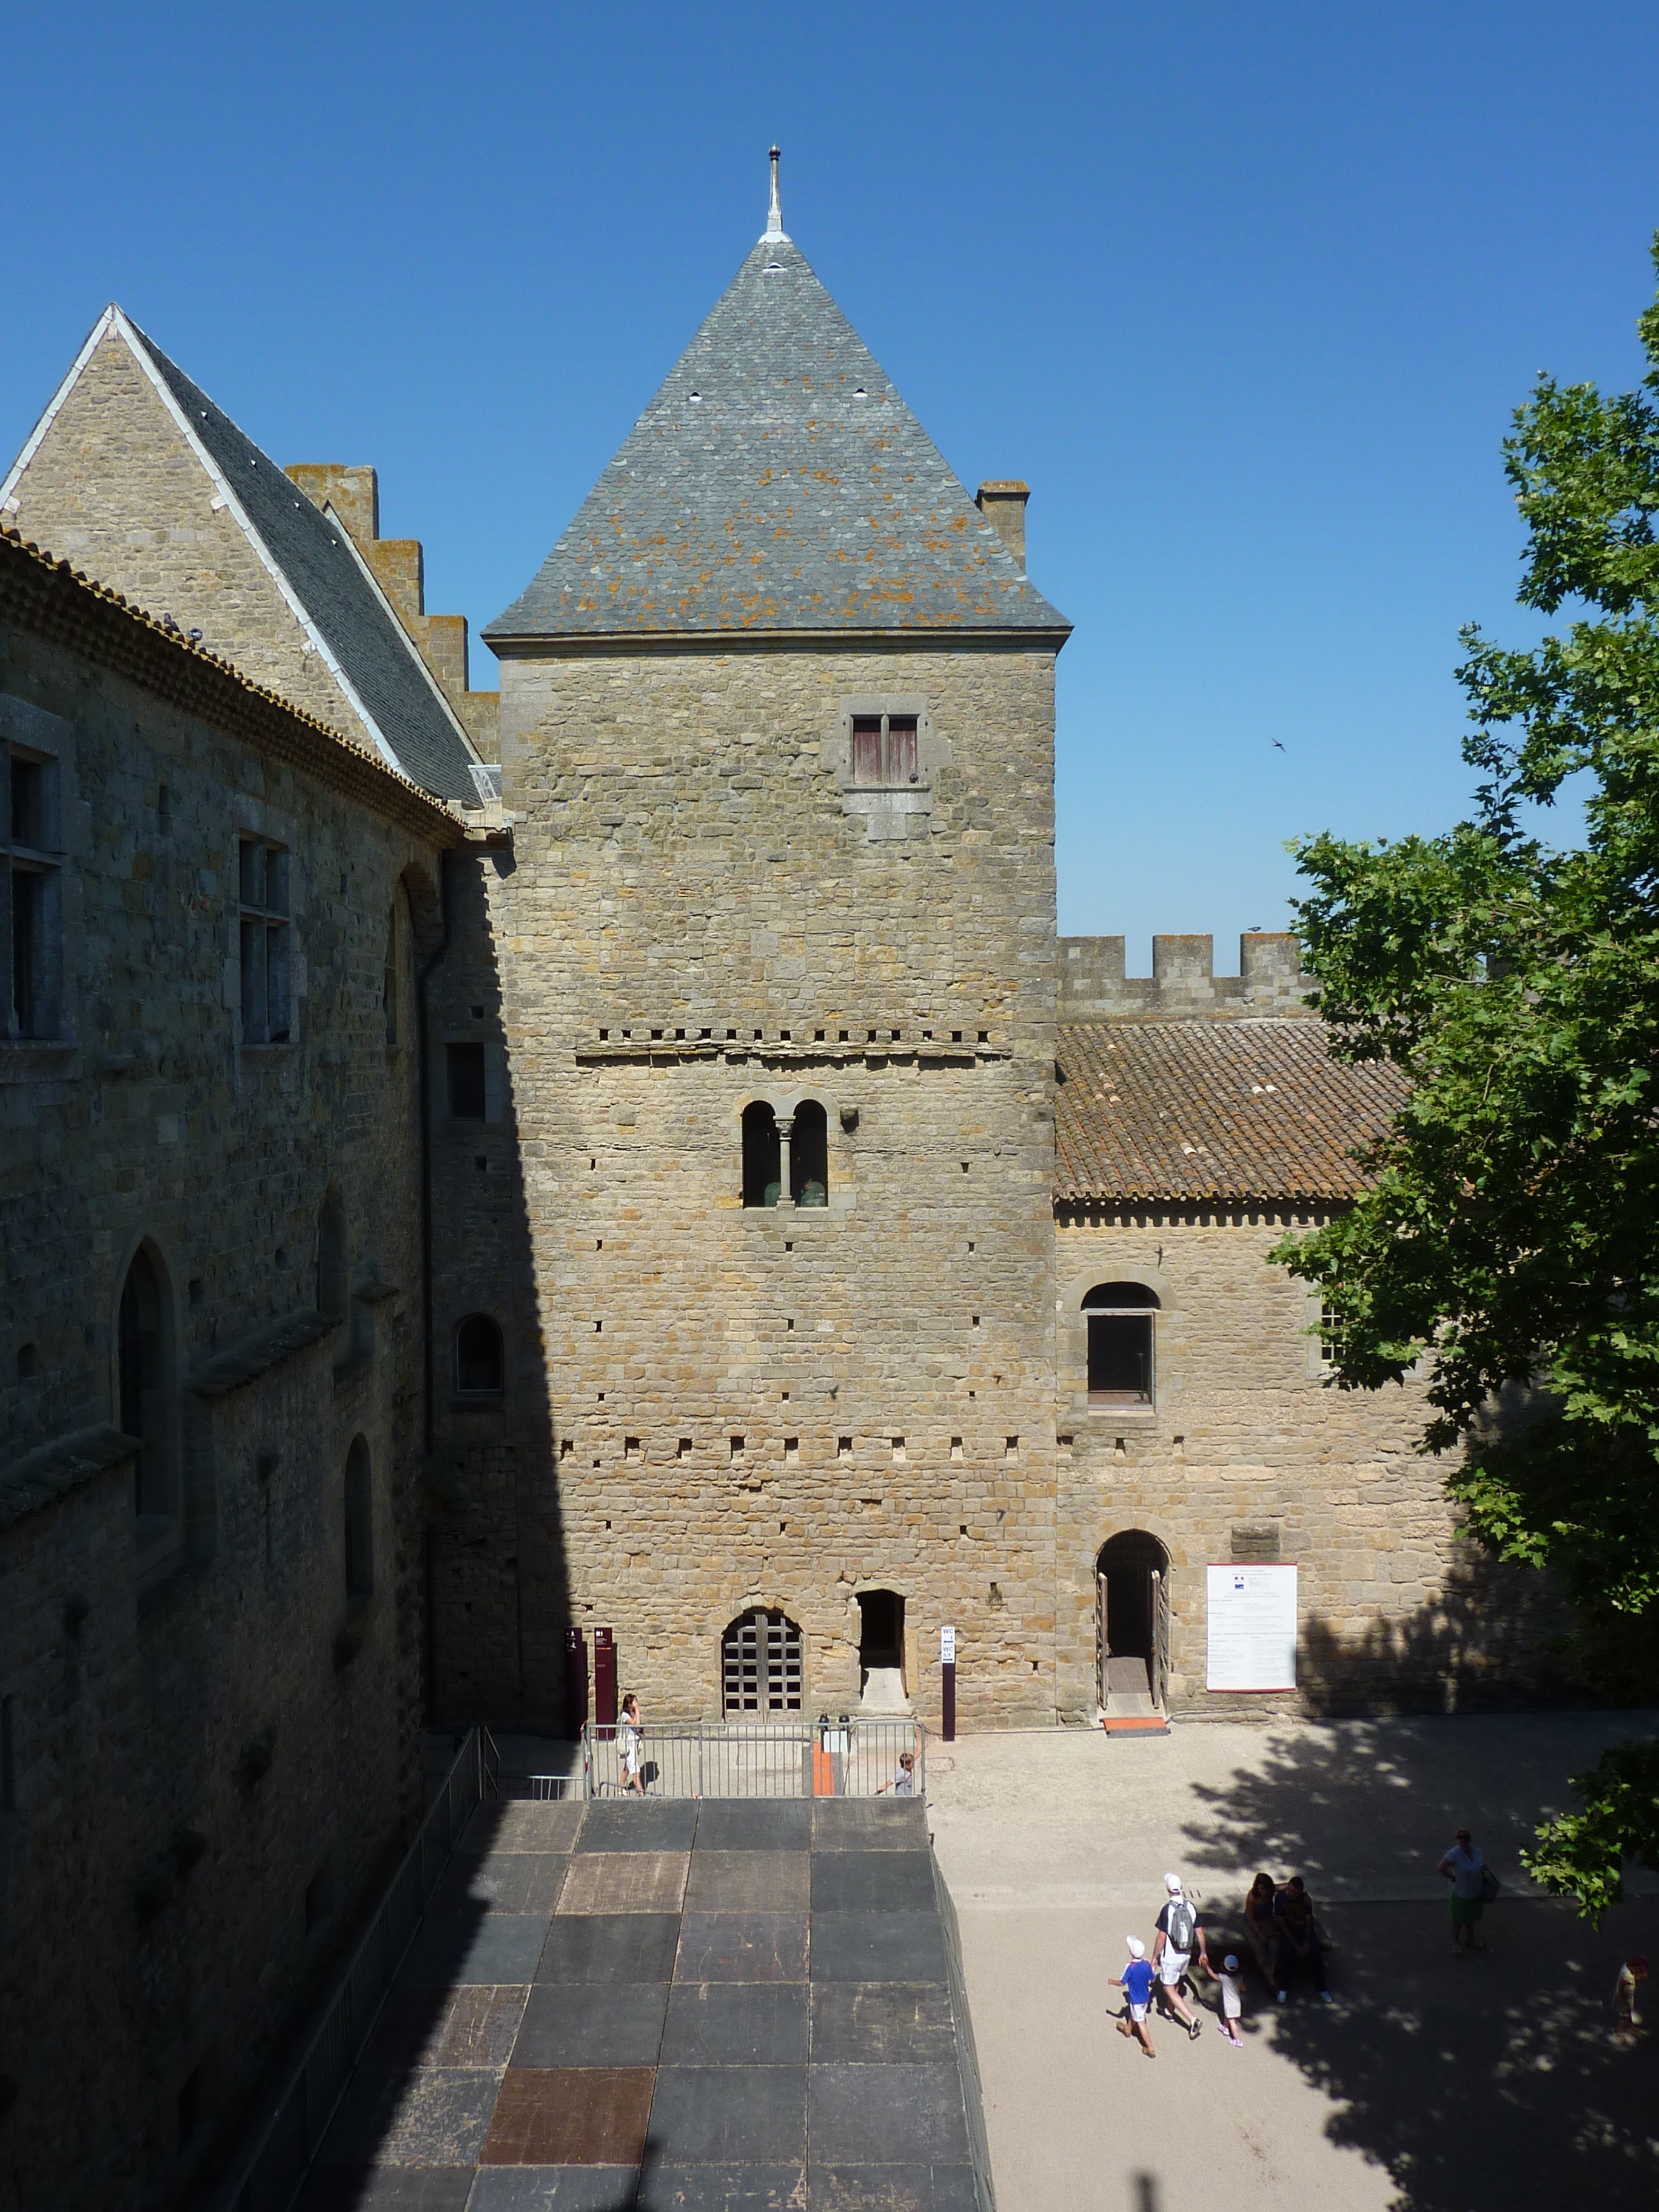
(1465, 1868)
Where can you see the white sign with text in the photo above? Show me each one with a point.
(947, 1647)
(1252, 1627)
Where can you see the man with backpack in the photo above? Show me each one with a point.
(1179, 1932)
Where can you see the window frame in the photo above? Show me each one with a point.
(1145, 1311)
(264, 942)
(33, 1015)
(466, 1396)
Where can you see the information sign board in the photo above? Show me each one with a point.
(1252, 1641)
(947, 1647)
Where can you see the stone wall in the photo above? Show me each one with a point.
(214, 1744)
(1247, 1453)
(699, 913)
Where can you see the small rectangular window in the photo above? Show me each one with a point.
(1330, 1333)
(466, 1081)
(1121, 1359)
(262, 883)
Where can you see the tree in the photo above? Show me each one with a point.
(1510, 1239)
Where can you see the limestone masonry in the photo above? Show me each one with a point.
(627, 1153)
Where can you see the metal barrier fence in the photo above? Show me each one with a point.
(269, 2175)
(852, 1756)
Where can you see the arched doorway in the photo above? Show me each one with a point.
(760, 1668)
(1131, 1623)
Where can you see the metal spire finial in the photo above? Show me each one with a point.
(774, 233)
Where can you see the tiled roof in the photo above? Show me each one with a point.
(777, 483)
(56, 601)
(365, 637)
(1189, 1111)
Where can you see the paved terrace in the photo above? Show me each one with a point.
(723, 2006)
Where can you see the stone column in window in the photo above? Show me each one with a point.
(786, 1125)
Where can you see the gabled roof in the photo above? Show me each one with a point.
(1191, 1111)
(777, 483)
(311, 557)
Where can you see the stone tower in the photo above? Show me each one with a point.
(775, 975)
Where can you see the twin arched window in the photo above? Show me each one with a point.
(1120, 1323)
(793, 1147)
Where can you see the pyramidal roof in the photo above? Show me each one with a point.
(777, 483)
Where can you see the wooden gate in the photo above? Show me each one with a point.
(1102, 1650)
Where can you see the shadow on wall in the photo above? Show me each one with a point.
(497, 1575)
(1483, 1645)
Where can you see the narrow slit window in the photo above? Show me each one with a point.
(33, 866)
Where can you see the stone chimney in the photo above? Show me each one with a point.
(1003, 505)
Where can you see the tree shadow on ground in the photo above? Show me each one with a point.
(1482, 2083)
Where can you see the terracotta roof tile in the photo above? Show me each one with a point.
(1188, 1111)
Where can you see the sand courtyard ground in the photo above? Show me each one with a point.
(1432, 2085)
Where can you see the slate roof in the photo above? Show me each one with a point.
(367, 640)
(777, 482)
(1187, 1111)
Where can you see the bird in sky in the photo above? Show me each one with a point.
(1277, 746)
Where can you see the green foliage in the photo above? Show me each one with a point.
(1511, 1237)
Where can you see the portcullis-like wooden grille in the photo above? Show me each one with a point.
(761, 1666)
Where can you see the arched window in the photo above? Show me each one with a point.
(761, 1159)
(808, 1155)
(761, 1664)
(331, 1261)
(359, 1522)
(479, 1357)
(1119, 1318)
(144, 1347)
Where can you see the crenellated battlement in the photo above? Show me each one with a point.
(1183, 984)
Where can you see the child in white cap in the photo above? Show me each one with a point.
(1232, 2001)
(1136, 1983)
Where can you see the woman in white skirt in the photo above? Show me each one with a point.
(630, 1736)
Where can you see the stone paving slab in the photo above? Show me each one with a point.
(666, 2007)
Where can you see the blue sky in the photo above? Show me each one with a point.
(1246, 293)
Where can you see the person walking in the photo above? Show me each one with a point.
(904, 1784)
(1261, 1931)
(1232, 2001)
(629, 1737)
(1464, 1867)
(1136, 1984)
(1179, 1932)
(1299, 1938)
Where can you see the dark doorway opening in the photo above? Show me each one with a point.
(881, 1648)
(761, 1156)
(1132, 1622)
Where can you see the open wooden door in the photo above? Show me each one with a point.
(1103, 1649)
(1159, 1668)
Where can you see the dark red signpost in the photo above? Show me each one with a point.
(947, 1655)
(604, 1679)
(575, 1683)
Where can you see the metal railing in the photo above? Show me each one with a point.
(851, 1756)
(269, 2176)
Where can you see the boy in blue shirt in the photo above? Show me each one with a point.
(1136, 1982)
